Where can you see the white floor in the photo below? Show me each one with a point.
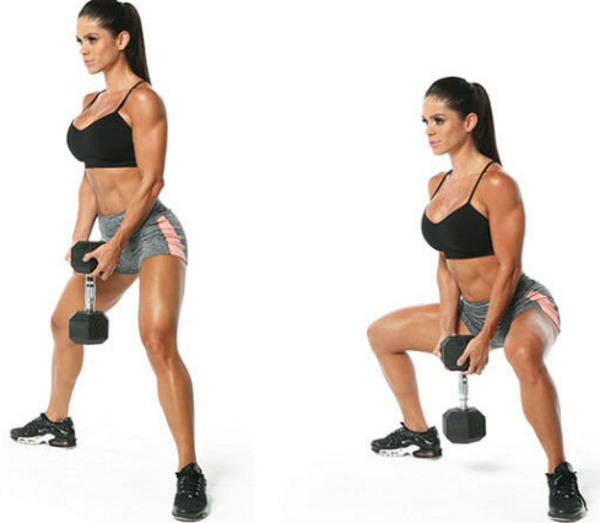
(287, 445)
(491, 482)
(116, 479)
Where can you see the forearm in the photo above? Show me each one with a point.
(86, 213)
(138, 210)
(449, 296)
(500, 296)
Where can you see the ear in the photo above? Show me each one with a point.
(470, 122)
(123, 40)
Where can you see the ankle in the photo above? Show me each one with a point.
(185, 462)
(554, 463)
(54, 416)
(416, 427)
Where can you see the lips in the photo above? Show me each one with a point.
(433, 144)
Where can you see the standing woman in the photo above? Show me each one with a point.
(475, 219)
(121, 136)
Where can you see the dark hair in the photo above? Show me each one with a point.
(118, 16)
(464, 97)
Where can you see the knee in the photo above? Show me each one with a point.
(526, 362)
(59, 325)
(160, 347)
(381, 336)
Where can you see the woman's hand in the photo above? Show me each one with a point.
(478, 350)
(438, 348)
(107, 256)
(68, 255)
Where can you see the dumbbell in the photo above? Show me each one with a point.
(462, 424)
(87, 327)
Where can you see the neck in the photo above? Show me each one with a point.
(467, 160)
(119, 77)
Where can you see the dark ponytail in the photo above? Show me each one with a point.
(464, 98)
(115, 17)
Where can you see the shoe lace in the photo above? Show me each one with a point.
(398, 435)
(565, 485)
(34, 425)
(190, 485)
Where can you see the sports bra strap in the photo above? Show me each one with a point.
(479, 179)
(440, 184)
(127, 96)
(93, 99)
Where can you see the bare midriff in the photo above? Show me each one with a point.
(474, 277)
(114, 188)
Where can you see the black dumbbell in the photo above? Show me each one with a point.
(87, 327)
(462, 424)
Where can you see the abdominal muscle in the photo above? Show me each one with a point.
(474, 277)
(114, 188)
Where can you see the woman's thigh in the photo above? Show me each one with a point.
(108, 293)
(413, 328)
(162, 282)
(530, 337)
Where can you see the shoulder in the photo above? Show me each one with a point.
(89, 97)
(434, 182)
(497, 184)
(144, 102)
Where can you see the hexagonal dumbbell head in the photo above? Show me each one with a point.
(88, 328)
(464, 425)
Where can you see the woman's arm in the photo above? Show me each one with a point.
(88, 205)
(86, 214)
(506, 217)
(447, 286)
(449, 296)
(149, 129)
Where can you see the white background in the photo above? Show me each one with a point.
(298, 165)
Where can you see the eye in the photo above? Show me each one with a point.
(92, 39)
(424, 121)
(438, 121)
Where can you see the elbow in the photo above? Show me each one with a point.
(516, 274)
(513, 272)
(156, 188)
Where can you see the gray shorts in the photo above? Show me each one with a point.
(160, 234)
(529, 294)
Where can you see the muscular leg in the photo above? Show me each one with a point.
(67, 358)
(414, 328)
(162, 280)
(531, 336)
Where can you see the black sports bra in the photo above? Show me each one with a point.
(106, 142)
(464, 233)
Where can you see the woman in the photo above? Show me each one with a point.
(475, 219)
(121, 136)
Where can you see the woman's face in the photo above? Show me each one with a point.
(98, 47)
(445, 130)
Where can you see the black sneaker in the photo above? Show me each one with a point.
(190, 500)
(41, 430)
(566, 502)
(404, 441)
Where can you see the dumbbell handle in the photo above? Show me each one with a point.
(90, 294)
(463, 390)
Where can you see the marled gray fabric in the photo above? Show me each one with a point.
(529, 294)
(160, 234)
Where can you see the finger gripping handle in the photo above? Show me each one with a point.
(452, 349)
(78, 251)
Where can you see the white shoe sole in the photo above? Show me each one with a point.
(42, 440)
